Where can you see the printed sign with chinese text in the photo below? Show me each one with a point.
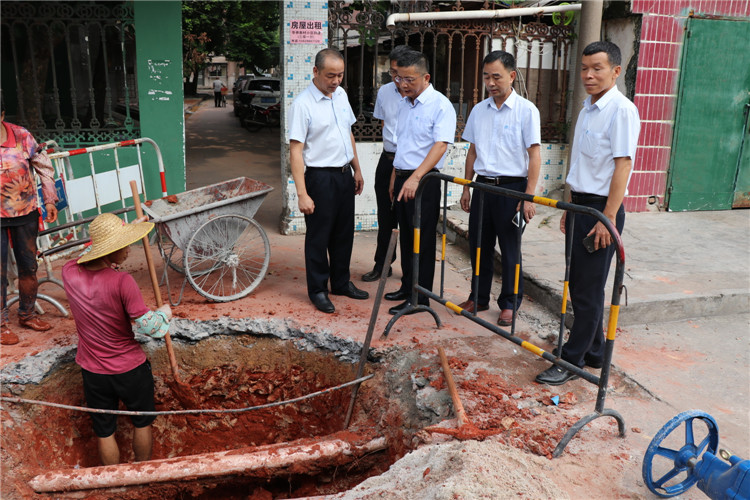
(306, 32)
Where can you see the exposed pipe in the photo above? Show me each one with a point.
(390, 23)
(265, 461)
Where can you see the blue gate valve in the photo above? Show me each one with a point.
(692, 462)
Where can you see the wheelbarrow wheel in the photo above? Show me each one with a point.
(227, 257)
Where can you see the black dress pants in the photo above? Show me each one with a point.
(588, 277)
(386, 213)
(330, 228)
(496, 224)
(430, 212)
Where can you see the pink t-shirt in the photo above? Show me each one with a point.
(103, 302)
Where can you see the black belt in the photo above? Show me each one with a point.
(583, 198)
(497, 181)
(389, 154)
(334, 169)
(403, 173)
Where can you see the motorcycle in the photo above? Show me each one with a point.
(255, 117)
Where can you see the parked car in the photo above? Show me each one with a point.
(266, 91)
(239, 80)
(239, 84)
(256, 93)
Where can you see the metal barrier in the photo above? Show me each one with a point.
(95, 190)
(78, 195)
(602, 380)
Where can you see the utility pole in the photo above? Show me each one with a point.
(589, 30)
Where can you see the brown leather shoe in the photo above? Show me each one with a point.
(469, 306)
(35, 323)
(505, 318)
(7, 337)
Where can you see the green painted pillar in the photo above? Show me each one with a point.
(158, 26)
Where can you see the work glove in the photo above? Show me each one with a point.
(166, 310)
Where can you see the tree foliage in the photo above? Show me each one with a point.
(244, 31)
(252, 31)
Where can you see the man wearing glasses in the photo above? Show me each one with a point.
(426, 125)
(386, 109)
(326, 174)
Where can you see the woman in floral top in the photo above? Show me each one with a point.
(21, 156)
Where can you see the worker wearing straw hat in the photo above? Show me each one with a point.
(104, 301)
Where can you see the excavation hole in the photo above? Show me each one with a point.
(223, 372)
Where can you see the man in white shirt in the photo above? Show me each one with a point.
(426, 125)
(218, 85)
(386, 109)
(323, 156)
(601, 162)
(505, 136)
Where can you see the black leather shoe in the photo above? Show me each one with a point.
(554, 375)
(352, 292)
(322, 302)
(374, 275)
(592, 362)
(397, 309)
(398, 295)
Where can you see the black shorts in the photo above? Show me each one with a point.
(134, 388)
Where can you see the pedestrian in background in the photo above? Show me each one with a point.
(601, 162)
(105, 303)
(327, 176)
(504, 133)
(426, 125)
(386, 109)
(218, 85)
(21, 157)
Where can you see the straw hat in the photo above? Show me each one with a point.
(109, 234)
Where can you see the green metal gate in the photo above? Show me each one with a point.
(710, 165)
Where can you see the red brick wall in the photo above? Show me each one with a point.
(656, 87)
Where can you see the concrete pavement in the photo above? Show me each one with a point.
(678, 265)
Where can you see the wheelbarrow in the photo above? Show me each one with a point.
(208, 234)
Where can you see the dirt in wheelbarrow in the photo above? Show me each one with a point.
(494, 382)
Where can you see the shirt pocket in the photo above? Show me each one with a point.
(511, 139)
(421, 126)
(591, 144)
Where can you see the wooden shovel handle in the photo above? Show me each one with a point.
(457, 406)
(154, 280)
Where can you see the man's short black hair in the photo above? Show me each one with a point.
(320, 57)
(609, 48)
(507, 60)
(2, 102)
(414, 58)
(398, 51)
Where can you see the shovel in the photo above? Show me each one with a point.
(181, 390)
(465, 428)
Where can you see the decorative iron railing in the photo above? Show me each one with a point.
(455, 50)
(69, 70)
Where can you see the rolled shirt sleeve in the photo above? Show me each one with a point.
(42, 165)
